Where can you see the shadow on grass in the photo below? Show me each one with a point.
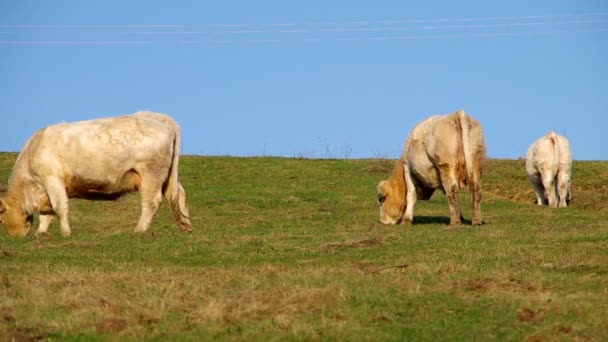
(420, 220)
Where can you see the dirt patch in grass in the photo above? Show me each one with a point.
(526, 315)
(111, 325)
(555, 333)
(280, 304)
(369, 242)
(380, 166)
(45, 243)
(27, 334)
(6, 316)
(490, 285)
(4, 254)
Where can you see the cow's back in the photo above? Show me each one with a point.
(565, 156)
(544, 154)
(99, 153)
(437, 141)
(416, 152)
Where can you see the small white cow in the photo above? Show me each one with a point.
(548, 164)
(442, 152)
(95, 159)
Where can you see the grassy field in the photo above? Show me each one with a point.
(290, 249)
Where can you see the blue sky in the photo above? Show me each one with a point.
(310, 78)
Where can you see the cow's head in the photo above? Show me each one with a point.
(16, 221)
(391, 197)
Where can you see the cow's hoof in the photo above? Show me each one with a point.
(186, 229)
(66, 234)
(477, 222)
(43, 236)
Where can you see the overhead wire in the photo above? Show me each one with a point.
(345, 31)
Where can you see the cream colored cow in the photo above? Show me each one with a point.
(95, 159)
(548, 165)
(442, 152)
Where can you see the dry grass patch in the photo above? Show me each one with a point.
(369, 242)
(384, 166)
(281, 303)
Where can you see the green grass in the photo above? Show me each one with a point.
(290, 249)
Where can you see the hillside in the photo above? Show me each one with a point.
(291, 249)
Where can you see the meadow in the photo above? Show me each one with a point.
(291, 249)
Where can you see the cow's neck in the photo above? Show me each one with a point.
(26, 195)
(23, 190)
(397, 179)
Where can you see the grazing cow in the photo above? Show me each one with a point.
(442, 152)
(548, 164)
(95, 159)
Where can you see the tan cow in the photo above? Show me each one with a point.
(548, 165)
(95, 159)
(442, 152)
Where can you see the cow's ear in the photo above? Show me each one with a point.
(382, 191)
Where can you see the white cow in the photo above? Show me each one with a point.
(549, 164)
(442, 152)
(95, 159)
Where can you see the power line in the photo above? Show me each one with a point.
(414, 21)
(71, 42)
(410, 37)
(361, 30)
(414, 28)
(52, 26)
(319, 23)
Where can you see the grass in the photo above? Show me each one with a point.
(290, 249)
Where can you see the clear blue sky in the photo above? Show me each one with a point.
(310, 78)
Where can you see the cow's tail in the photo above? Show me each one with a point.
(174, 192)
(552, 136)
(466, 144)
(556, 161)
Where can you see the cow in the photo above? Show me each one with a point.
(442, 152)
(95, 159)
(548, 165)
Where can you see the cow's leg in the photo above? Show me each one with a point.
(475, 186)
(408, 216)
(151, 197)
(177, 201)
(452, 195)
(475, 189)
(537, 184)
(563, 189)
(549, 185)
(450, 186)
(55, 190)
(410, 196)
(45, 220)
